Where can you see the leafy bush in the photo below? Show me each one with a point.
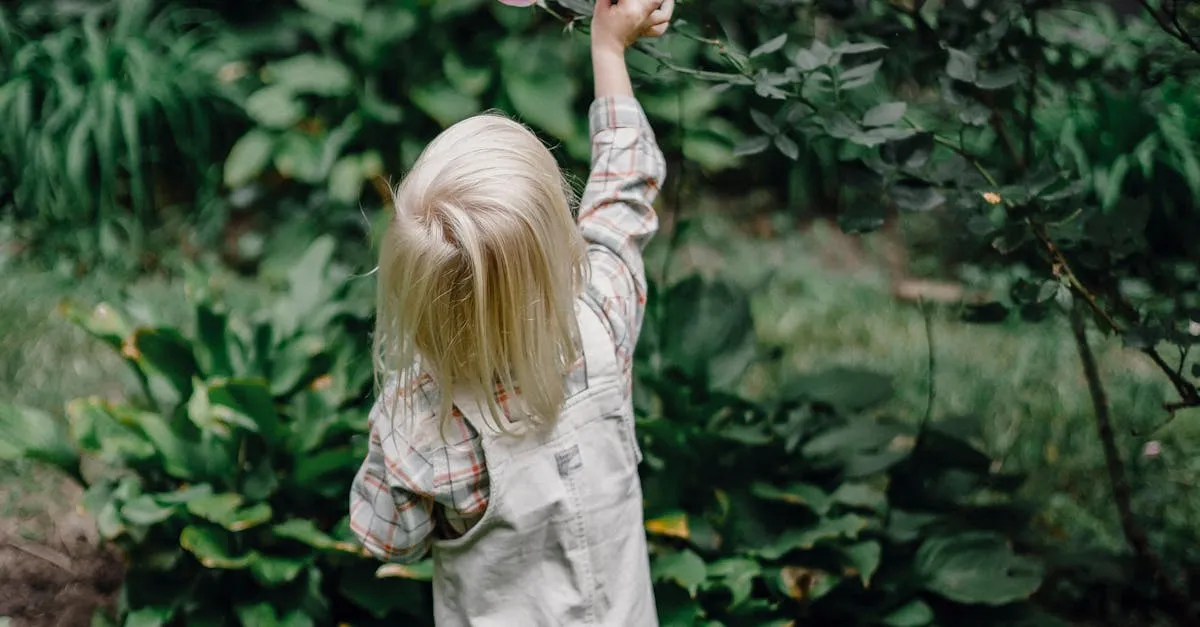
(801, 506)
(225, 483)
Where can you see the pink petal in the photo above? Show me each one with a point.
(1152, 449)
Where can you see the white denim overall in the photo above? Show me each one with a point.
(562, 541)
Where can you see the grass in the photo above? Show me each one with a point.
(1022, 381)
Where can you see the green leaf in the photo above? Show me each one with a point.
(306, 532)
(859, 48)
(149, 617)
(961, 66)
(738, 575)
(998, 79)
(849, 389)
(274, 106)
(346, 179)
(884, 114)
(248, 158)
(847, 526)
(212, 547)
(298, 156)
(682, 567)
(340, 11)
(861, 73)
(787, 146)
(164, 352)
(915, 613)
(144, 510)
(32, 434)
(752, 146)
(272, 571)
(708, 330)
(764, 122)
(443, 103)
(253, 615)
(773, 45)
(861, 495)
(864, 558)
(976, 568)
(916, 198)
(536, 79)
(797, 493)
(312, 74)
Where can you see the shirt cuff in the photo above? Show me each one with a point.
(612, 112)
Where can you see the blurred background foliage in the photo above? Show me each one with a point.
(919, 345)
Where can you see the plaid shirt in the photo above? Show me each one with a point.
(412, 489)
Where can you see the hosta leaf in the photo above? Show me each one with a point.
(915, 613)
(443, 103)
(32, 434)
(683, 567)
(93, 428)
(798, 493)
(305, 532)
(864, 560)
(253, 400)
(737, 574)
(976, 567)
(861, 495)
(961, 65)
(342, 11)
(154, 616)
(420, 571)
(312, 74)
(247, 159)
(806, 538)
(145, 510)
(211, 546)
(274, 571)
(673, 525)
(379, 597)
(166, 353)
(257, 614)
(273, 106)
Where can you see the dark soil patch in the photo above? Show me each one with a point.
(42, 586)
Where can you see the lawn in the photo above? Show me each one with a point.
(825, 297)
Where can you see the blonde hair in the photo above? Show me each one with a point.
(478, 274)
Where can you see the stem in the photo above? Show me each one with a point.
(1135, 536)
(1172, 28)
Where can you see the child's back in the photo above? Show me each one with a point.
(503, 438)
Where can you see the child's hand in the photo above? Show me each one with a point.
(616, 26)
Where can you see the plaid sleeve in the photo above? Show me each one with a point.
(616, 216)
(391, 519)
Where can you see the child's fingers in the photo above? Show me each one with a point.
(663, 12)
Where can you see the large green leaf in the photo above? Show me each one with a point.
(380, 597)
(227, 510)
(273, 570)
(682, 567)
(306, 532)
(165, 353)
(443, 103)
(342, 11)
(915, 613)
(213, 547)
(536, 80)
(312, 74)
(708, 330)
(33, 434)
(805, 538)
(93, 428)
(250, 156)
(976, 567)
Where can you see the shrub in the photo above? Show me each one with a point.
(225, 482)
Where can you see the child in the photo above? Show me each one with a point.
(503, 439)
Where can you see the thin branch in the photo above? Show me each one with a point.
(1172, 28)
(1135, 536)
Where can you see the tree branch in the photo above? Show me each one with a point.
(1119, 480)
(1172, 28)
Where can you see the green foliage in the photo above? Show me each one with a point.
(224, 484)
(106, 118)
(803, 505)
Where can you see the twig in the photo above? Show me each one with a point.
(1173, 28)
(42, 552)
(1135, 536)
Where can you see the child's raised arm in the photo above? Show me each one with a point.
(627, 170)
